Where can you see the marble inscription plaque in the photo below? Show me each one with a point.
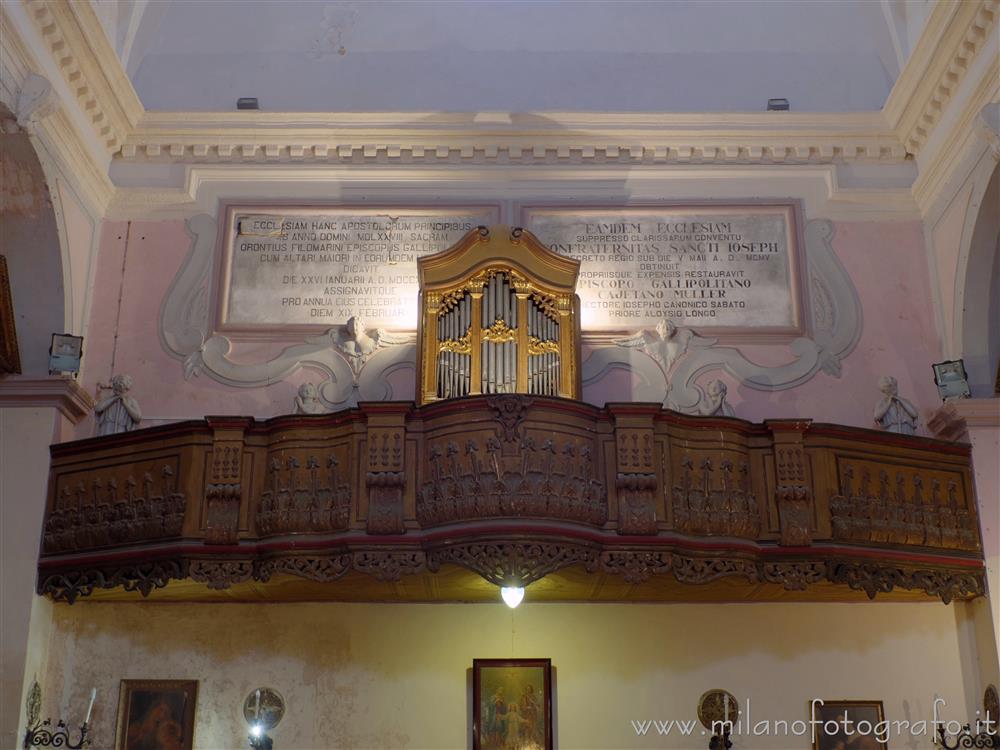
(286, 266)
(725, 267)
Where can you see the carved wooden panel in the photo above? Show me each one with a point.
(712, 495)
(538, 479)
(883, 502)
(306, 491)
(115, 504)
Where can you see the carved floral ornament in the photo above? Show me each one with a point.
(517, 563)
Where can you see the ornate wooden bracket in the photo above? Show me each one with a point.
(385, 478)
(792, 485)
(224, 491)
(636, 482)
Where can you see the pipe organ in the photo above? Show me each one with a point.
(499, 314)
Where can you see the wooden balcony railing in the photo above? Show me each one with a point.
(513, 488)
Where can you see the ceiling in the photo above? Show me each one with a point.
(513, 55)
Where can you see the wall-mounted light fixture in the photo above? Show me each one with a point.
(718, 712)
(777, 105)
(65, 353)
(263, 709)
(43, 734)
(512, 595)
(247, 102)
(951, 380)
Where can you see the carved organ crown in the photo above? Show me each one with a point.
(499, 314)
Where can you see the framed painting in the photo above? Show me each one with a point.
(156, 715)
(850, 725)
(10, 359)
(512, 704)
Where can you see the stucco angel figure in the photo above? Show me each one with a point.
(714, 404)
(307, 401)
(358, 343)
(892, 413)
(666, 344)
(119, 412)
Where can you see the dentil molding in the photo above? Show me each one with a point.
(953, 36)
(518, 138)
(77, 42)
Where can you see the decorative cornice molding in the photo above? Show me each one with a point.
(64, 394)
(971, 137)
(978, 412)
(817, 184)
(531, 138)
(954, 34)
(58, 140)
(71, 35)
(80, 48)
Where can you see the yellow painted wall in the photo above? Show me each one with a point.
(385, 676)
(25, 434)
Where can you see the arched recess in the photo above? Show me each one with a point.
(980, 300)
(30, 239)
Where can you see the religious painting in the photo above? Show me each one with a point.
(512, 704)
(10, 359)
(850, 725)
(156, 715)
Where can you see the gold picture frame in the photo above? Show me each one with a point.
(861, 725)
(512, 704)
(10, 358)
(156, 714)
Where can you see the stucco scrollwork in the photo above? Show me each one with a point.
(355, 360)
(668, 361)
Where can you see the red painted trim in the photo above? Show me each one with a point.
(174, 429)
(291, 421)
(459, 405)
(879, 437)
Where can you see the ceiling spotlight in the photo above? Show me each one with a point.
(247, 102)
(777, 105)
(512, 595)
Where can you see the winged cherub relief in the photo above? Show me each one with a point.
(357, 343)
(666, 344)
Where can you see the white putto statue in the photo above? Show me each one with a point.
(119, 412)
(307, 402)
(892, 413)
(714, 404)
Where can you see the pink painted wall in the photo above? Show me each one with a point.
(887, 261)
(888, 264)
(124, 333)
